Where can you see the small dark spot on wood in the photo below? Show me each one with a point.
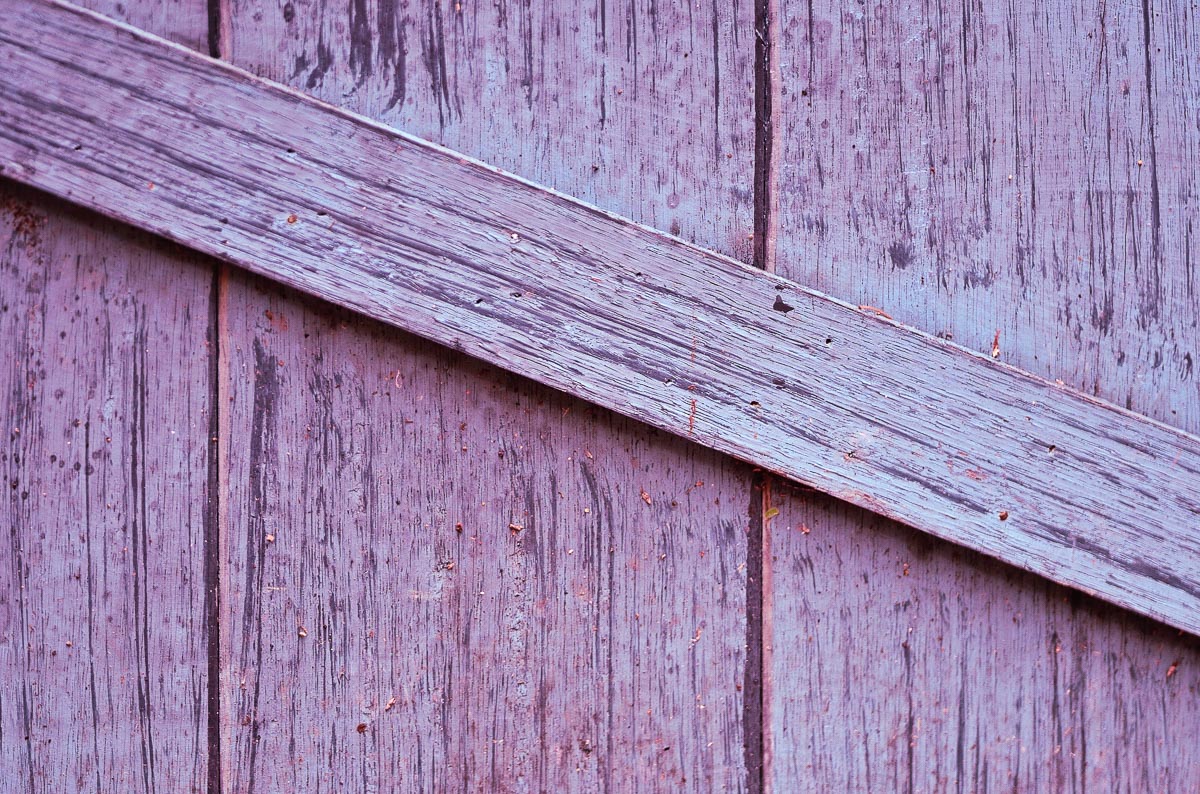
(829, 340)
(586, 746)
(289, 12)
(478, 301)
(1003, 515)
(362, 727)
(901, 255)
(780, 306)
(516, 294)
(755, 404)
(291, 151)
(78, 146)
(1051, 448)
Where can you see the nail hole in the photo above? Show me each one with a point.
(516, 294)
(755, 404)
(478, 301)
(829, 340)
(1051, 448)
(1003, 515)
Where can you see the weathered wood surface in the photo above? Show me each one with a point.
(928, 668)
(441, 576)
(753, 365)
(103, 636)
(103, 628)
(901, 663)
(603, 645)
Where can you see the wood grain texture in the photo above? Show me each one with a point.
(602, 645)
(640, 107)
(1025, 172)
(1003, 175)
(102, 632)
(1043, 477)
(902, 663)
(443, 577)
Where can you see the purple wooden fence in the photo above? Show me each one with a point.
(257, 543)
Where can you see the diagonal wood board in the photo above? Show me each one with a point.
(873, 413)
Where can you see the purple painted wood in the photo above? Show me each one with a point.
(103, 681)
(103, 637)
(599, 644)
(984, 455)
(978, 171)
(902, 663)
(442, 576)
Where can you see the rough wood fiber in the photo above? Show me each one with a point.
(640, 107)
(750, 364)
(125, 706)
(102, 634)
(898, 133)
(989, 169)
(442, 576)
(601, 646)
(902, 663)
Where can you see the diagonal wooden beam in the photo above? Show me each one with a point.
(883, 416)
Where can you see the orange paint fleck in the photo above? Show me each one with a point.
(874, 310)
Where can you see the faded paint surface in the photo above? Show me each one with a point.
(103, 673)
(106, 393)
(601, 645)
(896, 662)
(974, 171)
(877, 415)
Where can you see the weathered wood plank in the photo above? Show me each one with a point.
(442, 576)
(751, 364)
(125, 705)
(642, 108)
(102, 605)
(897, 135)
(601, 646)
(902, 663)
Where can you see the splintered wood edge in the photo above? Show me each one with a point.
(451, 249)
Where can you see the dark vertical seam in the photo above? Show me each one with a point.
(212, 536)
(753, 688)
(214, 28)
(212, 508)
(763, 133)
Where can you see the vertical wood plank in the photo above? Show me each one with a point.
(102, 633)
(107, 397)
(1011, 177)
(442, 576)
(600, 643)
(643, 108)
(905, 664)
